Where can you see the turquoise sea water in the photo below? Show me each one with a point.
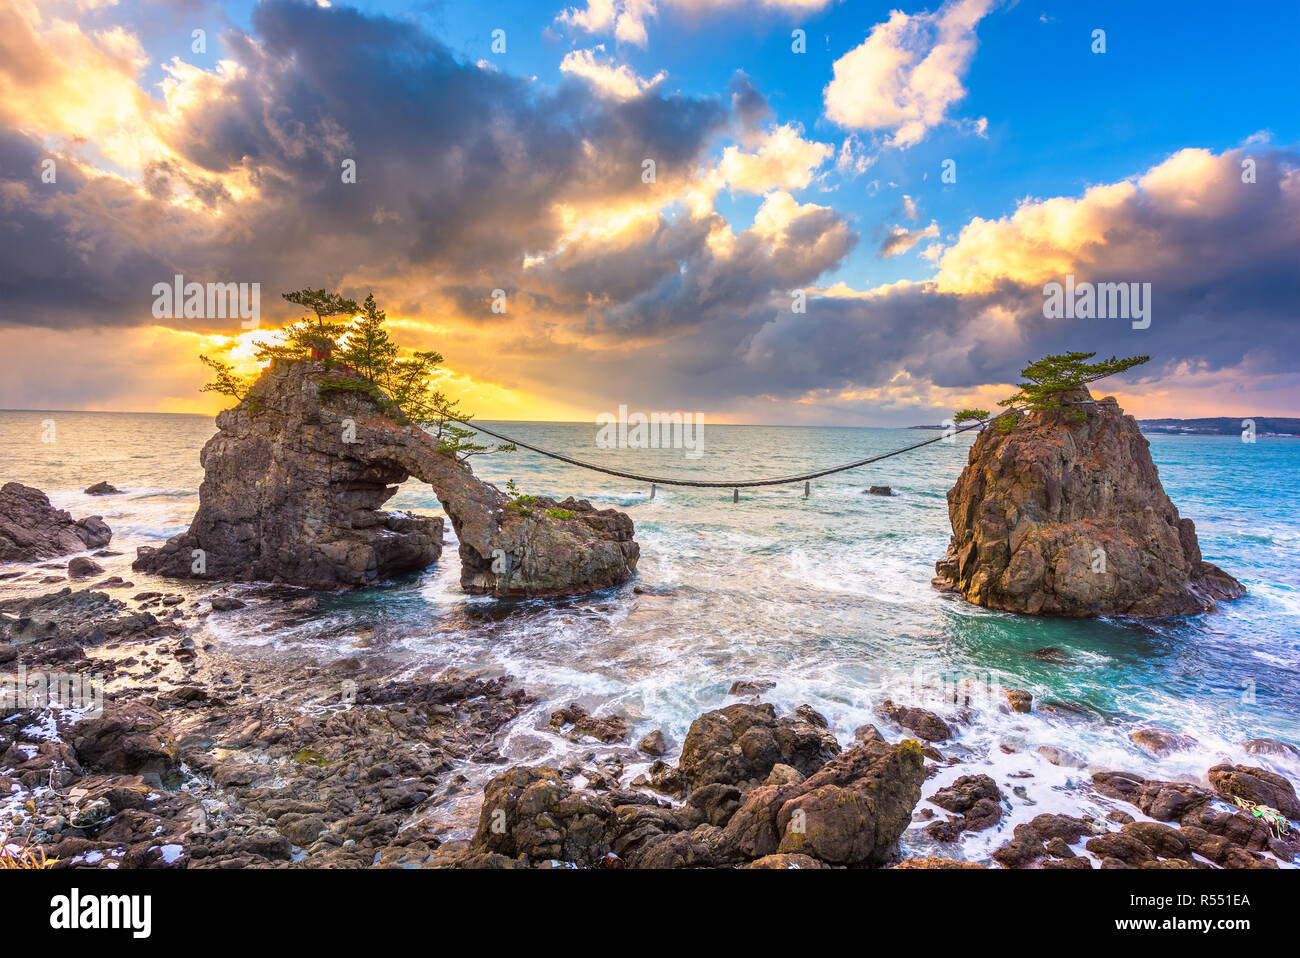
(828, 597)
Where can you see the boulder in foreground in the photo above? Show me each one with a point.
(850, 810)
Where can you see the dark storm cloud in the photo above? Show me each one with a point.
(670, 279)
(458, 169)
(1221, 256)
(842, 342)
(64, 255)
(619, 272)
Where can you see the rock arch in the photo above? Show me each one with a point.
(295, 478)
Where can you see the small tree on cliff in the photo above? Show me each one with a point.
(226, 381)
(369, 349)
(360, 356)
(313, 338)
(1045, 380)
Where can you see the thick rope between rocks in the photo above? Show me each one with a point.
(742, 483)
(716, 484)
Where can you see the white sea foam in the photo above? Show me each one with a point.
(828, 597)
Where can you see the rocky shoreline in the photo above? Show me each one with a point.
(204, 757)
(208, 756)
(133, 735)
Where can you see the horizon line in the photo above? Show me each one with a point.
(576, 422)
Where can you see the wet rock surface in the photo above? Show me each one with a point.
(576, 724)
(1069, 518)
(83, 616)
(932, 862)
(742, 743)
(850, 811)
(206, 756)
(1161, 742)
(1193, 829)
(1045, 837)
(1271, 746)
(746, 687)
(1256, 785)
(83, 568)
(653, 744)
(293, 488)
(1020, 701)
(921, 722)
(977, 802)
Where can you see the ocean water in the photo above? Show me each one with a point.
(827, 597)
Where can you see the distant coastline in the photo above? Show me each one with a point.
(1270, 427)
(1276, 427)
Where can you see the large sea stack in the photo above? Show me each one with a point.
(1062, 517)
(293, 484)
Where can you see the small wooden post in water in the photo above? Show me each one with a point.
(735, 494)
(807, 486)
(652, 492)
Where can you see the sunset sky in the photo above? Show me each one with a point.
(776, 171)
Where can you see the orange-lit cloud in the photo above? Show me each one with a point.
(621, 287)
(1193, 226)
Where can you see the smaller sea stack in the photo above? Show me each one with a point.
(32, 529)
(1068, 518)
